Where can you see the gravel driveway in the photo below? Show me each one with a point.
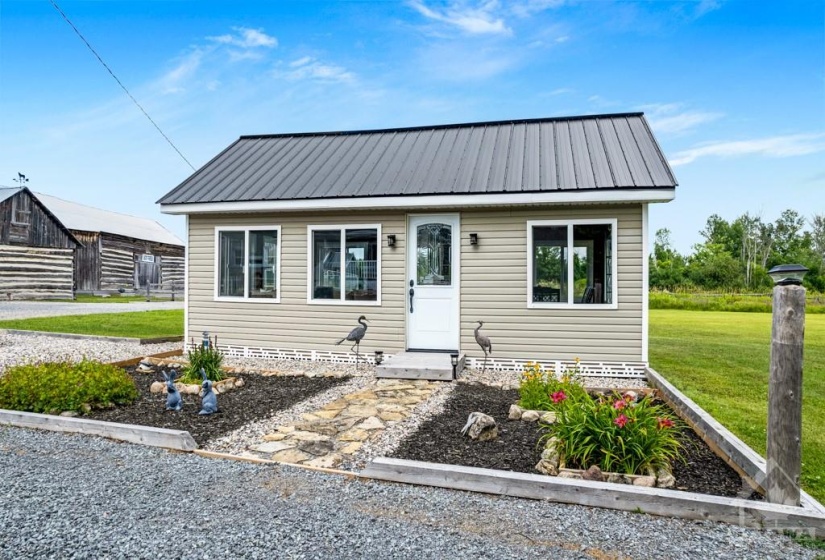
(71, 496)
(27, 309)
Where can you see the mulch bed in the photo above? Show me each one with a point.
(259, 398)
(439, 440)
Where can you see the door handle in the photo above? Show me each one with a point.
(412, 293)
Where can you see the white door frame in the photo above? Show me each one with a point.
(454, 341)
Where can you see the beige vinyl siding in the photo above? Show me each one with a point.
(494, 290)
(293, 323)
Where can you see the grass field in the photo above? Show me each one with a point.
(140, 324)
(114, 298)
(750, 303)
(721, 360)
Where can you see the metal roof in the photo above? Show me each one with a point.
(537, 155)
(8, 192)
(79, 217)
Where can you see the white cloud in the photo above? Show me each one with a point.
(173, 80)
(246, 38)
(475, 21)
(562, 91)
(672, 118)
(776, 146)
(309, 68)
(529, 7)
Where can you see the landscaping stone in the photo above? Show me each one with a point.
(647, 481)
(291, 456)
(530, 415)
(272, 446)
(481, 427)
(515, 412)
(665, 479)
(327, 462)
(593, 473)
(371, 423)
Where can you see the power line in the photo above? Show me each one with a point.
(106, 66)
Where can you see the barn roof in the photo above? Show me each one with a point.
(589, 153)
(8, 192)
(79, 217)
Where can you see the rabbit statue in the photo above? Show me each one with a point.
(173, 400)
(209, 402)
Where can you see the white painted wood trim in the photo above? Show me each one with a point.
(310, 261)
(645, 283)
(144, 435)
(215, 273)
(597, 196)
(614, 263)
(186, 284)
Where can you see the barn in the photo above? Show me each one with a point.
(36, 249)
(119, 251)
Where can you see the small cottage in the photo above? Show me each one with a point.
(536, 227)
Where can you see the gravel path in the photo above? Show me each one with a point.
(71, 496)
(27, 309)
(20, 349)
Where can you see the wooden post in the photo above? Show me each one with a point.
(785, 396)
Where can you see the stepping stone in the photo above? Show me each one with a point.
(362, 411)
(328, 462)
(316, 448)
(340, 404)
(272, 446)
(390, 407)
(371, 423)
(351, 448)
(308, 436)
(291, 456)
(327, 414)
(391, 416)
(274, 437)
(309, 417)
(286, 429)
(360, 395)
(354, 434)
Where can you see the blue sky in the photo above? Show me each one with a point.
(734, 90)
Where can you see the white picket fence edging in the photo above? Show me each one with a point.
(624, 370)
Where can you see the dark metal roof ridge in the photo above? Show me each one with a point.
(439, 126)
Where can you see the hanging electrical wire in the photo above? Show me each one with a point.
(106, 66)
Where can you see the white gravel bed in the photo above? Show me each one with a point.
(510, 380)
(300, 367)
(25, 349)
(71, 496)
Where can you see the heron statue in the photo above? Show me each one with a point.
(355, 336)
(484, 342)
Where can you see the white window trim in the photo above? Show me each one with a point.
(245, 298)
(310, 261)
(569, 304)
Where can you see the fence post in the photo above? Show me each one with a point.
(785, 395)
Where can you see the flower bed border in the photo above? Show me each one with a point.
(808, 517)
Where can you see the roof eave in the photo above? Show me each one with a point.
(596, 196)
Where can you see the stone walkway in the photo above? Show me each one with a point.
(326, 437)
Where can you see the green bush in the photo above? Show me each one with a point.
(539, 390)
(616, 434)
(207, 357)
(60, 386)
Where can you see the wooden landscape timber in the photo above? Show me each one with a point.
(724, 443)
(135, 361)
(144, 435)
(655, 501)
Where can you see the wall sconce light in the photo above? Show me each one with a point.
(391, 240)
(379, 357)
(454, 362)
(473, 239)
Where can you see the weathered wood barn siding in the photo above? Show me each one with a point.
(36, 253)
(110, 262)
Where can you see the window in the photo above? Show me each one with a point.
(21, 209)
(247, 263)
(571, 263)
(351, 249)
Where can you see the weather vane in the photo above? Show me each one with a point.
(21, 179)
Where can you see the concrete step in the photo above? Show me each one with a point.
(433, 366)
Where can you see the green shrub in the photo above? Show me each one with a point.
(616, 434)
(207, 357)
(60, 386)
(538, 387)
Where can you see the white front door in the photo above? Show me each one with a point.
(432, 287)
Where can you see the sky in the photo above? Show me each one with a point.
(734, 90)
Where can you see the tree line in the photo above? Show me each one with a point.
(736, 255)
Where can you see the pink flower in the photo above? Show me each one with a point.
(621, 420)
(619, 405)
(558, 396)
(662, 423)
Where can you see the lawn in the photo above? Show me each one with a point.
(114, 298)
(140, 324)
(721, 360)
